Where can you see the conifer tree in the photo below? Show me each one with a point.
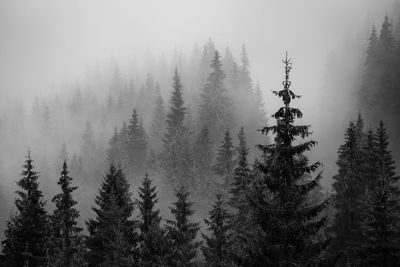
(217, 245)
(225, 160)
(136, 145)
(113, 149)
(182, 231)
(203, 157)
(215, 109)
(65, 233)
(27, 231)
(372, 49)
(112, 239)
(177, 156)
(386, 38)
(241, 177)
(383, 245)
(154, 246)
(348, 197)
(158, 123)
(287, 227)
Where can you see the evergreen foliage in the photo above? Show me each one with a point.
(182, 231)
(112, 239)
(65, 234)
(288, 229)
(217, 245)
(27, 231)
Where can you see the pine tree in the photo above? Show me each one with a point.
(348, 197)
(288, 228)
(383, 245)
(154, 245)
(113, 149)
(372, 49)
(27, 231)
(65, 233)
(177, 112)
(203, 156)
(136, 145)
(177, 158)
(241, 177)
(215, 109)
(225, 160)
(112, 239)
(386, 38)
(158, 124)
(182, 231)
(217, 245)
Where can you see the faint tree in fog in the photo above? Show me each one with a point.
(215, 109)
(225, 162)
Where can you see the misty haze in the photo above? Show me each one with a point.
(199, 133)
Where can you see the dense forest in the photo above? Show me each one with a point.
(183, 166)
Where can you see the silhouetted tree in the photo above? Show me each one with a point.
(112, 239)
(182, 231)
(154, 245)
(27, 231)
(65, 237)
(217, 245)
(287, 226)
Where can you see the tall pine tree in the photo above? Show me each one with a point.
(288, 228)
(65, 232)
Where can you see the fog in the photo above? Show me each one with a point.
(49, 47)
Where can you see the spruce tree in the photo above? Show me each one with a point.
(215, 109)
(113, 149)
(154, 245)
(225, 160)
(158, 123)
(349, 189)
(177, 156)
(383, 244)
(27, 231)
(65, 233)
(386, 38)
(112, 239)
(203, 156)
(288, 228)
(241, 176)
(182, 231)
(217, 245)
(136, 145)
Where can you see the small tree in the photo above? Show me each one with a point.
(225, 161)
(217, 246)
